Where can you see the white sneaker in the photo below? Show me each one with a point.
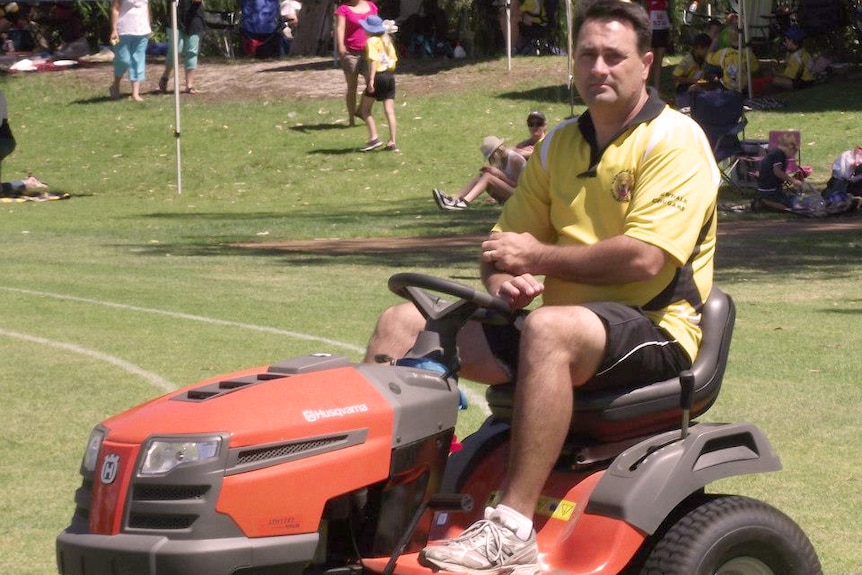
(446, 202)
(488, 547)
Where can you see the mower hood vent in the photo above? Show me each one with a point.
(249, 458)
(286, 368)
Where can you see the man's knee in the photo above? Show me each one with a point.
(561, 325)
(395, 332)
(565, 334)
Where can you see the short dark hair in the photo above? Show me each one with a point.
(630, 12)
(536, 116)
(701, 41)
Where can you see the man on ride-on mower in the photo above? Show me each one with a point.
(617, 210)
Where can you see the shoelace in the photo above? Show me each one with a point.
(493, 539)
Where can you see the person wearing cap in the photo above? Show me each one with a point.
(613, 227)
(381, 61)
(536, 124)
(798, 73)
(498, 178)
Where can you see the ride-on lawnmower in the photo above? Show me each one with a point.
(317, 466)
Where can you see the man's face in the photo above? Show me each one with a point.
(609, 72)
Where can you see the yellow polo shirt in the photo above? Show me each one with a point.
(656, 181)
(734, 76)
(799, 66)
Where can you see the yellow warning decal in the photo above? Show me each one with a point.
(561, 509)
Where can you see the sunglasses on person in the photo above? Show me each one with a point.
(535, 124)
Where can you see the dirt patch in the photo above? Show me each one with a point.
(743, 228)
(316, 78)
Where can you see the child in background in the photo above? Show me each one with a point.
(537, 124)
(773, 176)
(799, 70)
(381, 56)
(689, 73)
(734, 77)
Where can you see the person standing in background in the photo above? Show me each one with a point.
(190, 25)
(381, 80)
(131, 26)
(660, 21)
(350, 40)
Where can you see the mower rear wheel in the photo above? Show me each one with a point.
(733, 535)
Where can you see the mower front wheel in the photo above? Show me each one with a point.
(733, 535)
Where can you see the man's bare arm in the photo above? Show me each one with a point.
(616, 260)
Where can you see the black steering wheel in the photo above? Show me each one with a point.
(443, 319)
(472, 303)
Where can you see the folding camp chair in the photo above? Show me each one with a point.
(222, 26)
(751, 162)
(722, 116)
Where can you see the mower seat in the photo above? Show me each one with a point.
(611, 415)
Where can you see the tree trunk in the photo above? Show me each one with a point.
(315, 31)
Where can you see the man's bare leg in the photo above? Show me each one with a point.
(561, 348)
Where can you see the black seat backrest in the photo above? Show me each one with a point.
(622, 413)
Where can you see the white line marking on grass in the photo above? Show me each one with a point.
(149, 376)
(472, 396)
(187, 316)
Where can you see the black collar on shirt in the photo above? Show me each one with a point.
(651, 109)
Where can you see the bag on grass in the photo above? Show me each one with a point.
(809, 202)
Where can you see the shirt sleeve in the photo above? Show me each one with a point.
(674, 193)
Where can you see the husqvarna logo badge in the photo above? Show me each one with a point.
(312, 415)
(109, 468)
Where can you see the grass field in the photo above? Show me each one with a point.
(129, 289)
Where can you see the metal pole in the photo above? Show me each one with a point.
(509, 35)
(176, 62)
(570, 48)
(743, 16)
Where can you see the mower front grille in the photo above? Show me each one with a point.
(160, 522)
(169, 492)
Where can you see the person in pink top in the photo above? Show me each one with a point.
(350, 39)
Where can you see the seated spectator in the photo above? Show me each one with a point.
(689, 73)
(799, 70)
(14, 24)
(847, 172)
(499, 178)
(773, 178)
(7, 145)
(290, 16)
(733, 75)
(65, 19)
(536, 124)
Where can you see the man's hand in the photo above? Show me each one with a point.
(520, 291)
(511, 252)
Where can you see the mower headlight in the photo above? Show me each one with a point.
(94, 444)
(163, 455)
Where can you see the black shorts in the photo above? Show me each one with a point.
(660, 38)
(384, 86)
(638, 351)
